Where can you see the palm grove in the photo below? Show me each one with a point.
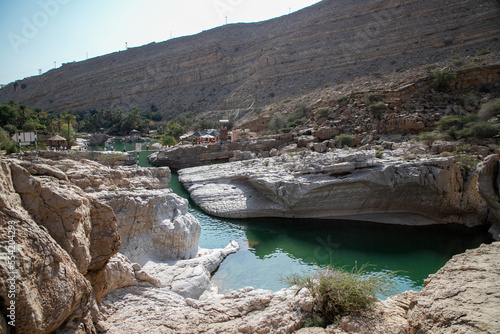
(114, 121)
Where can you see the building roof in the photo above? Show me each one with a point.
(56, 138)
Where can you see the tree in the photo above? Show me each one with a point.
(168, 141)
(429, 137)
(24, 111)
(68, 119)
(442, 80)
(8, 115)
(175, 129)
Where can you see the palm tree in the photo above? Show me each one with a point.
(70, 119)
(24, 110)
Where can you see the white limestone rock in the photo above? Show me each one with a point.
(339, 185)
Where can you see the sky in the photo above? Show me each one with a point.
(38, 35)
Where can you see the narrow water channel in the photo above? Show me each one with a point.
(271, 248)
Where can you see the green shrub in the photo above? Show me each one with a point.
(483, 52)
(302, 109)
(7, 144)
(10, 128)
(345, 139)
(489, 110)
(467, 162)
(374, 97)
(323, 112)
(277, 124)
(442, 80)
(452, 126)
(168, 140)
(379, 154)
(341, 99)
(429, 137)
(338, 291)
(463, 148)
(480, 130)
(457, 60)
(377, 109)
(289, 99)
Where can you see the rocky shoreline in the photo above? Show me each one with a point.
(110, 250)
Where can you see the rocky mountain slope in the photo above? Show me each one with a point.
(248, 65)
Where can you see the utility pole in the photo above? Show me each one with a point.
(126, 46)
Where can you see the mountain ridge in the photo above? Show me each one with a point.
(253, 64)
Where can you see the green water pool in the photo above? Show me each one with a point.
(271, 248)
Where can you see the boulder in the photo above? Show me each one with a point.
(462, 297)
(303, 141)
(82, 225)
(325, 133)
(153, 224)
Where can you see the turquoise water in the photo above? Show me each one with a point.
(271, 248)
(143, 155)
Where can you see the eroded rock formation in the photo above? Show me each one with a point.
(352, 185)
(64, 247)
(488, 187)
(153, 222)
(49, 288)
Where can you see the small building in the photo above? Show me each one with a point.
(224, 128)
(56, 142)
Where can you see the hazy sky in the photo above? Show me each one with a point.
(36, 33)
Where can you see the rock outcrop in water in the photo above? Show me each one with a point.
(340, 185)
(185, 156)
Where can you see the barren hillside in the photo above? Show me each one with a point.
(242, 65)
